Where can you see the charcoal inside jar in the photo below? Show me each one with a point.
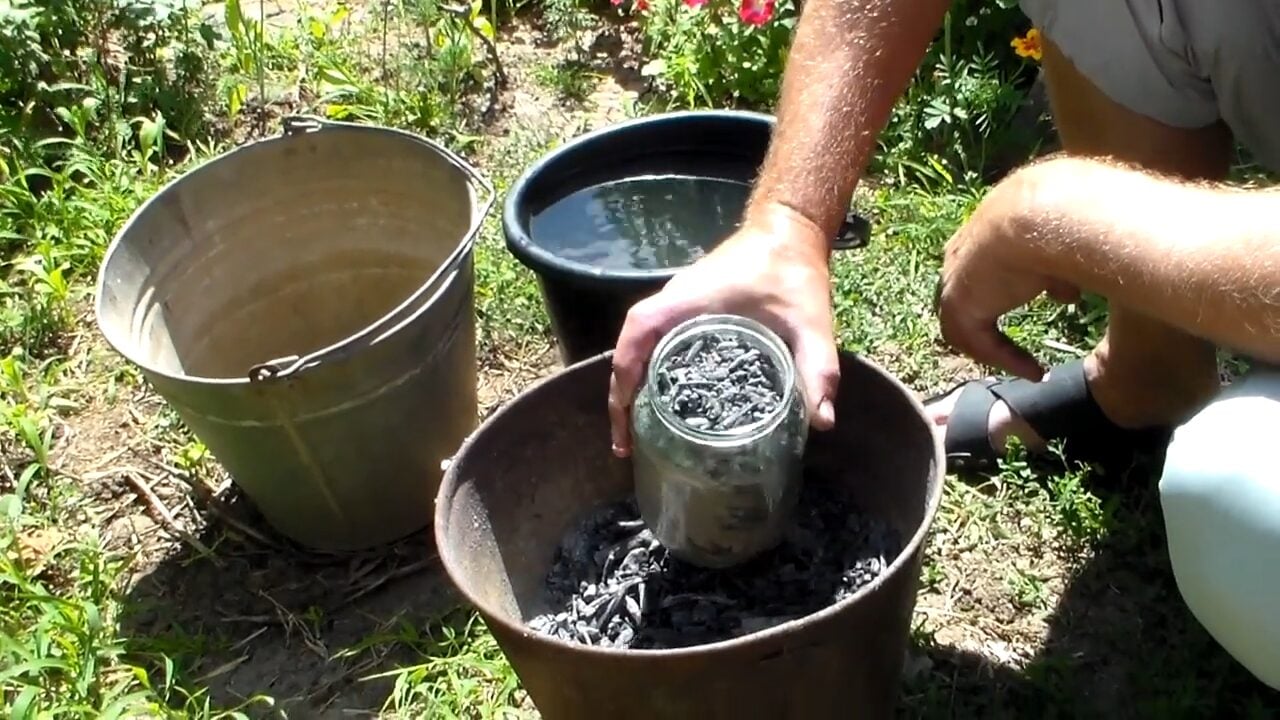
(719, 382)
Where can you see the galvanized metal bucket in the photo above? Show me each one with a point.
(306, 305)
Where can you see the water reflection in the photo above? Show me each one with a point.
(644, 223)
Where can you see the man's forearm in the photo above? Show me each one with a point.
(849, 63)
(1201, 258)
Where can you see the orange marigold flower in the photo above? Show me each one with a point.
(1028, 46)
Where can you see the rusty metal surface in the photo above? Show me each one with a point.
(541, 462)
(306, 304)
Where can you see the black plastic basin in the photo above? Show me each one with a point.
(588, 304)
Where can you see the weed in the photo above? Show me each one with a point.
(567, 20)
(931, 574)
(1080, 513)
(509, 304)
(463, 673)
(192, 458)
(246, 59)
(54, 233)
(570, 79)
(59, 649)
(69, 659)
(445, 57)
(31, 399)
(129, 57)
(883, 294)
(958, 113)
(1028, 589)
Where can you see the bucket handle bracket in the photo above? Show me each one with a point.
(291, 125)
(854, 233)
(275, 369)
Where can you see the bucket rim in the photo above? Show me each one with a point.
(452, 480)
(483, 196)
(543, 261)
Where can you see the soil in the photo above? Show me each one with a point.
(272, 618)
(619, 588)
(275, 619)
(269, 617)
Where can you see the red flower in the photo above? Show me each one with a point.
(756, 12)
(695, 4)
(642, 5)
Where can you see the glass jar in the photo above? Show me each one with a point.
(718, 497)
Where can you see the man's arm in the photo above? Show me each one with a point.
(1202, 258)
(849, 63)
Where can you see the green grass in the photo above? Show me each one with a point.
(570, 79)
(508, 301)
(1045, 589)
(460, 673)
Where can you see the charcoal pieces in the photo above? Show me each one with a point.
(720, 383)
(613, 585)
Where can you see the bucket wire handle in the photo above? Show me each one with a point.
(488, 196)
(292, 364)
(275, 368)
(297, 124)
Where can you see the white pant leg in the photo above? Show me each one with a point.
(1220, 493)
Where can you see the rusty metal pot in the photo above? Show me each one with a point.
(543, 461)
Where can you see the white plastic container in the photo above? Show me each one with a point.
(1220, 493)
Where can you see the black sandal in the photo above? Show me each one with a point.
(1060, 408)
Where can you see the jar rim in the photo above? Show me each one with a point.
(759, 336)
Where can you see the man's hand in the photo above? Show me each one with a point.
(849, 63)
(1201, 258)
(774, 270)
(995, 264)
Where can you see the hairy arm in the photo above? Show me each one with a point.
(1203, 258)
(849, 62)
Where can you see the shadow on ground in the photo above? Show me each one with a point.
(310, 630)
(265, 618)
(1121, 644)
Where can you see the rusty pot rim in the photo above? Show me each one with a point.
(451, 481)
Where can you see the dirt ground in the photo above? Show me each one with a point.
(272, 618)
(269, 616)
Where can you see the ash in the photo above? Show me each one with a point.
(615, 586)
(720, 382)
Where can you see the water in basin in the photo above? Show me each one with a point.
(643, 223)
